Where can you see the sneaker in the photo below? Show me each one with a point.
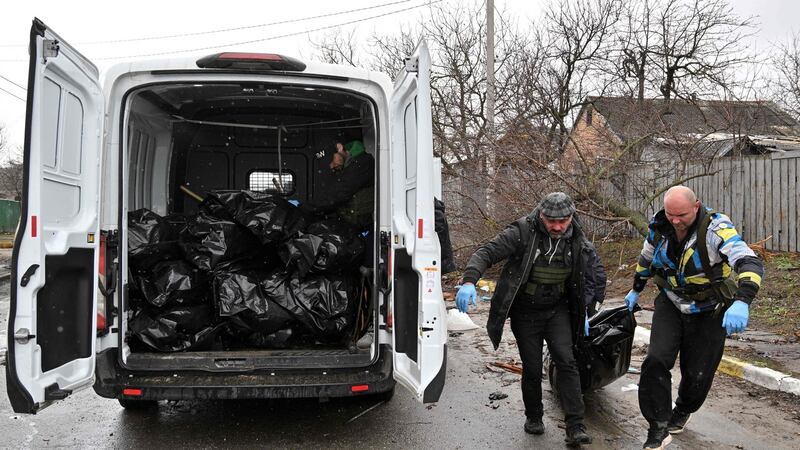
(657, 439)
(534, 426)
(576, 435)
(677, 422)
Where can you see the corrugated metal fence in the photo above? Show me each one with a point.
(761, 194)
(9, 215)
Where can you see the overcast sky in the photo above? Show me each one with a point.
(84, 23)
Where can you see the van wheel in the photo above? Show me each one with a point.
(137, 405)
(384, 396)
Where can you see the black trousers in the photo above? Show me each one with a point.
(700, 340)
(530, 328)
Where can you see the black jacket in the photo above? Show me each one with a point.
(516, 243)
(358, 174)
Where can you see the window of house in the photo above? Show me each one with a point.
(589, 116)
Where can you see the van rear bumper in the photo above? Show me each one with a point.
(111, 380)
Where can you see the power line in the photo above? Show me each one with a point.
(14, 83)
(13, 95)
(428, 3)
(225, 30)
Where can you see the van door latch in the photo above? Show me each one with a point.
(49, 48)
(23, 335)
(412, 64)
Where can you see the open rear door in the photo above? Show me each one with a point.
(51, 338)
(419, 333)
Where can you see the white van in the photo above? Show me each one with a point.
(93, 152)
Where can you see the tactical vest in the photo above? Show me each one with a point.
(358, 211)
(547, 279)
(718, 288)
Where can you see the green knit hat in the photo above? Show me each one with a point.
(355, 148)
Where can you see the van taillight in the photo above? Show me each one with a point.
(132, 392)
(359, 388)
(250, 61)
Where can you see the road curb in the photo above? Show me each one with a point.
(761, 376)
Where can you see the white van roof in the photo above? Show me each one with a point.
(190, 63)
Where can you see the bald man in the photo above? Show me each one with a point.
(690, 253)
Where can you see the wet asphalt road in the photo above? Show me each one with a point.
(737, 415)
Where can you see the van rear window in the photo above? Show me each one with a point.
(271, 182)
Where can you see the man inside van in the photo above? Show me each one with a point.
(541, 289)
(351, 195)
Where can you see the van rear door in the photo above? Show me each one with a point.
(419, 324)
(51, 337)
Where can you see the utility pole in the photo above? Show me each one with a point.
(490, 68)
(489, 157)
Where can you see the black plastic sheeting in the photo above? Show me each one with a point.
(173, 283)
(324, 305)
(174, 329)
(606, 353)
(151, 239)
(443, 231)
(328, 246)
(214, 279)
(209, 241)
(269, 217)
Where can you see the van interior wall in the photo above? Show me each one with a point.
(165, 153)
(209, 158)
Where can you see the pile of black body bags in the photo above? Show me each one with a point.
(249, 270)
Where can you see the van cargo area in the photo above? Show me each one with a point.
(238, 251)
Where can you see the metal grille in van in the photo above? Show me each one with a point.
(271, 182)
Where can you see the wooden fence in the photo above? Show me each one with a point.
(761, 195)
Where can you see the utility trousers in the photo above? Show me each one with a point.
(700, 340)
(531, 327)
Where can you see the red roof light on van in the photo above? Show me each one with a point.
(250, 61)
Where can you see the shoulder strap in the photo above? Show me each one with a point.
(712, 273)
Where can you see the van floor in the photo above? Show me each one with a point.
(252, 359)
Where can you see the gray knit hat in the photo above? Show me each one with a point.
(557, 205)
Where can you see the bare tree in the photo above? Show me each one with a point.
(575, 38)
(337, 48)
(786, 86)
(11, 167)
(388, 50)
(697, 43)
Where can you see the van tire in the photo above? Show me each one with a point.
(137, 405)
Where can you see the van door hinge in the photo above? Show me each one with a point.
(412, 64)
(49, 49)
(23, 335)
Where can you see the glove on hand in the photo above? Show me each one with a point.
(466, 294)
(735, 318)
(631, 299)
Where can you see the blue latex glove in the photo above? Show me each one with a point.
(735, 318)
(586, 327)
(295, 203)
(466, 294)
(631, 299)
